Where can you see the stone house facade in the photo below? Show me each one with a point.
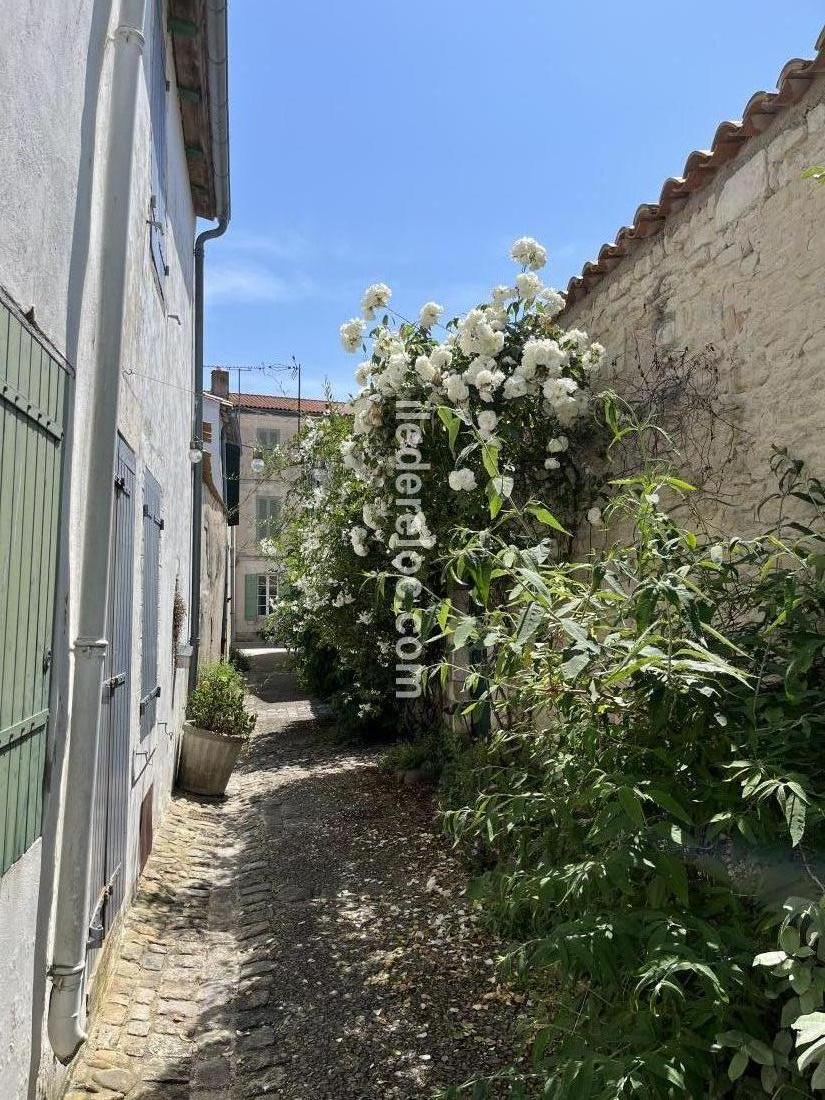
(264, 421)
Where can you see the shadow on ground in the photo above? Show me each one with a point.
(333, 958)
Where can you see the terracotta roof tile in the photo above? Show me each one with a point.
(269, 402)
(701, 166)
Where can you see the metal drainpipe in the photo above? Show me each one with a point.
(71, 920)
(197, 469)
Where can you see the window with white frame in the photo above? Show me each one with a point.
(260, 594)
(267, 593)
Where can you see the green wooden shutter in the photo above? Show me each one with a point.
(33, 389)
(251, 596)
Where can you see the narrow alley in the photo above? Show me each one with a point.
(306, 938)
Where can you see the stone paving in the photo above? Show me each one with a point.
(303, 939)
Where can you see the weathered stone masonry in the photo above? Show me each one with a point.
(740, 268)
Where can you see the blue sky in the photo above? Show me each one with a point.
(412, 142)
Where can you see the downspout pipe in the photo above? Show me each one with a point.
(217, 51)
(71, 921)
(197, 435)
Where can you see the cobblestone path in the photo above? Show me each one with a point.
(304, 939)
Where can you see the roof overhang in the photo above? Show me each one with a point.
(200, 41)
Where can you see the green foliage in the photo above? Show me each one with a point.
(239, 660)
(647, 798)
(217, 702)
(422, 755)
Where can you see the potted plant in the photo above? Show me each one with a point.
(218, 726)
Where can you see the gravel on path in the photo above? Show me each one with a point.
(305, 939)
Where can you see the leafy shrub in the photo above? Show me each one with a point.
(650, 791)
(217, 702)
(421, 755)
(240, 661)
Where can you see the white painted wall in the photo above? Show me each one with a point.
(54, 87)
(212, 416)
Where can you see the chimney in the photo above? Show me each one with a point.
(220, 382)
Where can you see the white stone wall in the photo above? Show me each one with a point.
(740, 269)
(54, 87)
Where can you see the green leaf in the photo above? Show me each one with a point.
(770, 958)
(489, 456)
(814, 1052)
(818, 1079)
(575, 665)
(789, 939)
(631, 806)
(546, 517)
(443, 615)
(666, 1070)
(760, 1052)
(738, 1065)
(464, 631)
(451, 423)
(795, 813)
(531, 619)
(668, 803)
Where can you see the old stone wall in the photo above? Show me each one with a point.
(736, 277)
(214, 542)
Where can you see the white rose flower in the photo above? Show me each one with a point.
(558, 390)
(496, 317)
(424, 369)
(456, 388)
(352, 332)
(594, 517)
(358, 537)
(375, 297)
(501, 294)
(551, 464)
(441, 357)
(576, 339)
(418, 526)
(717, 553)
(462, 480)
(514, 387)
(529, 286)
(557, 445)
(362, 373)
(487, 421)
(484, 379)
(430, 314)
(593, 359)
(529, 253)
(554, 301)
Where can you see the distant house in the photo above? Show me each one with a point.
(114, 140)
(219, 517)
(264, 421)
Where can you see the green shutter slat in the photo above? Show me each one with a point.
(251, 597)
(32, 419)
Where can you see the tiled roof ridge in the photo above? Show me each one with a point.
(701, 166)
(276, 401)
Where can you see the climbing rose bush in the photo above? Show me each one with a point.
(499, 403)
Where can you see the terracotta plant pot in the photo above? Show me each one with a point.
(206, 760)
